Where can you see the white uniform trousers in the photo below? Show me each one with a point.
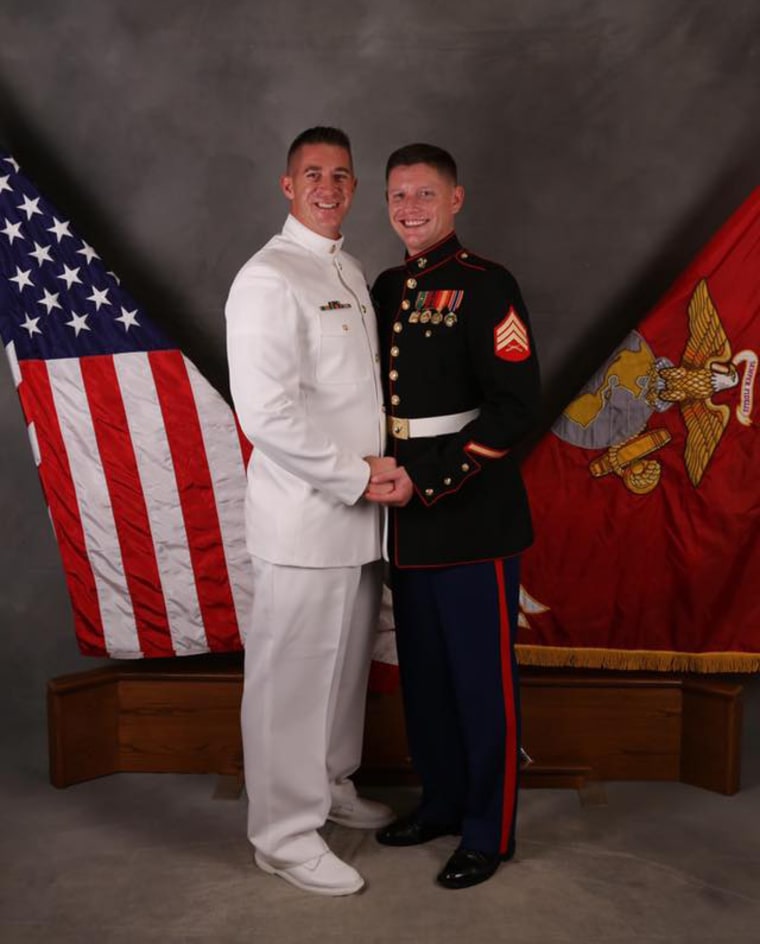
(307, 656)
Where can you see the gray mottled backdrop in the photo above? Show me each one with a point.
(601, 143)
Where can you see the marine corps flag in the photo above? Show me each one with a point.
(646, 492)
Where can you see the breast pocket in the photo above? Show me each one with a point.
(344, 356)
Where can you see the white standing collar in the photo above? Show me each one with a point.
(307, 238)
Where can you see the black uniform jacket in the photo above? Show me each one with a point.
(455, 337)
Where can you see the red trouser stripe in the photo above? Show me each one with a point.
(510, 748)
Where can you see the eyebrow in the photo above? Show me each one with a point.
(345, 170)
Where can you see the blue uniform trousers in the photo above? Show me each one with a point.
(455, 630)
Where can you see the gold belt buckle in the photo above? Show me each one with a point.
(398, 427)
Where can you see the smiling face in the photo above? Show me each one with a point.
(320, 185)
(422, 204)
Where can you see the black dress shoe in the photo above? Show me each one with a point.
(468, 867)
(410, 831)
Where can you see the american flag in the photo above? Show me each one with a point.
(141, 461)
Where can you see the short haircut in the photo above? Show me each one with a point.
(429, 154)
(321, 134)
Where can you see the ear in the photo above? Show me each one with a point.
(286, 185)
(457, 198)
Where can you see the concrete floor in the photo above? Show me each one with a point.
(156, 858)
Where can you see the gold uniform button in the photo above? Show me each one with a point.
(447, 481)
(364, 309)
(406, 304)
(377, 358)
(395, 399)
(393, 375)
(428, 333)
(398, 327)
(394, 351)
(465, 467)
(411, 283)
(429, 491)
(465, 255)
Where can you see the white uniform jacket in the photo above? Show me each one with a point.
(304, 373)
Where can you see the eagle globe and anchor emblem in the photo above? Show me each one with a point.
(614, 409)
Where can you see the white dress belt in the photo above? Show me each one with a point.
(401, 428)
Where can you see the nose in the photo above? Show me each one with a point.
(409, 202)
(329, 189)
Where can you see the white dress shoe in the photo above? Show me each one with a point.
(360, 813)
(325, 874)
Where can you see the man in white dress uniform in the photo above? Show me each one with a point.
(304, 373)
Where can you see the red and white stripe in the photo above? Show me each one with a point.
(144, 474)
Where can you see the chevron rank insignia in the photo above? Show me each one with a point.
(510, 338)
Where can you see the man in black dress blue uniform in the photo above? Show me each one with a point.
(461, 390)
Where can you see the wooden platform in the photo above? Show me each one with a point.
(580, 727)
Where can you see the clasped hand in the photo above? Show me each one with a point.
(389, 484)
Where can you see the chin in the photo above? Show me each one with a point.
(413, 240)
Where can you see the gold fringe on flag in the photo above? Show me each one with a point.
(638, 659)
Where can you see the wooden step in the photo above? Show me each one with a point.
(182, 716)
